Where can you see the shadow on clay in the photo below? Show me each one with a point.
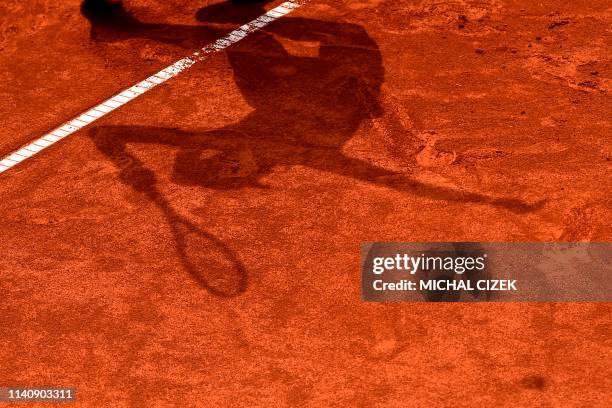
(305, 108)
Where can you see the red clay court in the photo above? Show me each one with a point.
(199, 245)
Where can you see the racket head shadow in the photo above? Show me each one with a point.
(209, 261)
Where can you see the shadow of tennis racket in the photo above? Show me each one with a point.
(209, 261)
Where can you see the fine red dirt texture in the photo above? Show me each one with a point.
(200, 245)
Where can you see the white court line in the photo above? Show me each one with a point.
(142, 87)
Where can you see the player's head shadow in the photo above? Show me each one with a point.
(310, 82)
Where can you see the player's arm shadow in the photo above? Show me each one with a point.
(191, 169)
(338, 163)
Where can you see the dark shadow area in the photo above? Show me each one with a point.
(115, 23)
(310, 83)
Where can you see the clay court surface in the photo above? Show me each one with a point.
(199, 246)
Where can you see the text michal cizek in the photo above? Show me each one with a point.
(446, 285)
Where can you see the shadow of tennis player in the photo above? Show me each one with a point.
(306, 106)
